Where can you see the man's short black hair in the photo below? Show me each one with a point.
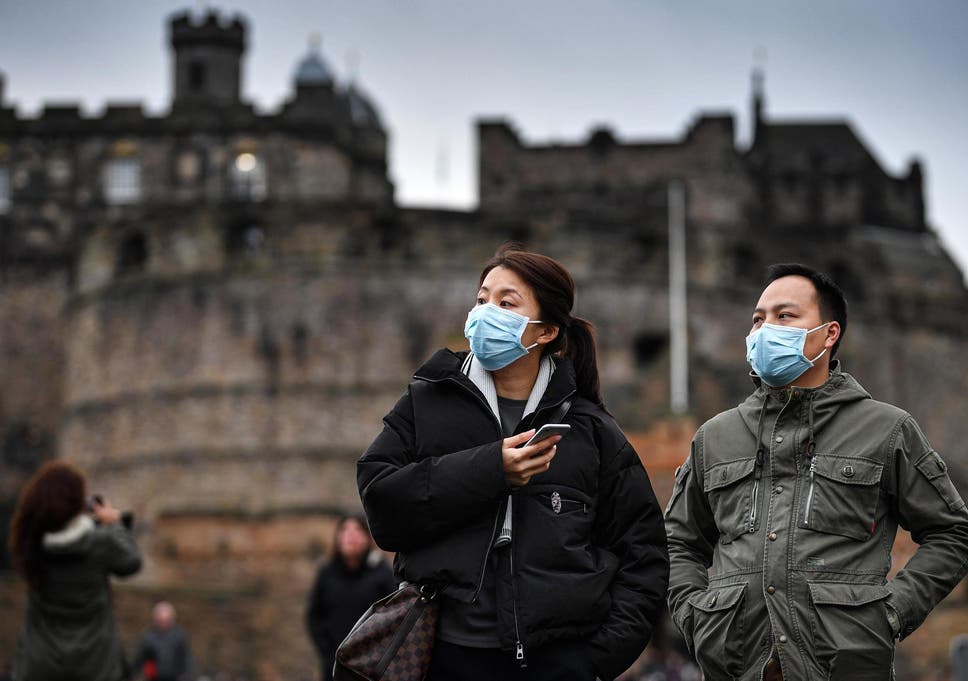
(833, 304)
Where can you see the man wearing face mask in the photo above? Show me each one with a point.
(782, 518)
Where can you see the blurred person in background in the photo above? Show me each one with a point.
(783, 516)
(66, 548)
(550, 558)
(345, 587)
(164, 653)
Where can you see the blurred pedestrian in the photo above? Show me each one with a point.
(66, 549)
(345, 587)
(164, 653)
(550, 558)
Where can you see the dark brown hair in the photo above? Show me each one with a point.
(50, 499)
(555, 291)
(360, 520)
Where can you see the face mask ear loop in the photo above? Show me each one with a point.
(824, 351)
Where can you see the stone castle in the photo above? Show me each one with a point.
(210, 310)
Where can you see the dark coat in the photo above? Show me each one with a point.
(588, 560)
(69, 631)
(338, 599)
(169, 649)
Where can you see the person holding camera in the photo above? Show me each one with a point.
(549, 556)
(66, 548)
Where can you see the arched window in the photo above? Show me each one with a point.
(132, 254)
(247, 177)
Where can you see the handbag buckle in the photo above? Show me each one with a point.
(427, 593)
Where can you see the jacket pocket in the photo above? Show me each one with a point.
(563, 579)
(733, 496)
(842, 495)
(933, 467)
(852, 637)
(718, 630)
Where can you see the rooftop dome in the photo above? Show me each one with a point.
(362, 110)
(312, 70)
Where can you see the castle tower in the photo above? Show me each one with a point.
(208, 60)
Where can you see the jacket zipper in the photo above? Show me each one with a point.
(518, 646)
(754, 503)
(813, 470)
(487, 553)
(752, 524)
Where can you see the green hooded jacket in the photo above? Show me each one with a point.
(780, 529)
(69, 631)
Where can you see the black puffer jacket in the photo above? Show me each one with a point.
(588, 559)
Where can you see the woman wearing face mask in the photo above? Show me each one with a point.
(550, 559)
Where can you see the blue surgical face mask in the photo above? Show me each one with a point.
(776, 353)
(495, 335)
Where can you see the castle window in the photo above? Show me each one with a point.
(4, 189)
(243, 238)
(196, 76)
(746, 265)
(25, 446)
(132, 255)
(247, 177)
(648, 348)
(188, 167)
(122, 181)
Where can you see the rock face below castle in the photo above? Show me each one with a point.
(211, 310)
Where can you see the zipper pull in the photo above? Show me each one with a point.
(519, 655)
(806, 511)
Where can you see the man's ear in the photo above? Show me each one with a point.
(833, 335)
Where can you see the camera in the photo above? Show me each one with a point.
(95, 500)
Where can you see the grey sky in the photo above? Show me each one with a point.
(896, 69)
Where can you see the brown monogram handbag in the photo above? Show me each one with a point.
(393, 640)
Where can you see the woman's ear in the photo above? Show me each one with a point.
(547, 333)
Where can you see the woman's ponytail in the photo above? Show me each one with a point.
(581, 350)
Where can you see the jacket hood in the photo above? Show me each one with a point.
(74, 538)
(839, 389)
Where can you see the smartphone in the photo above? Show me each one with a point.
(547, 430)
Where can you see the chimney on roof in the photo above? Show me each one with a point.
(757, 108)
